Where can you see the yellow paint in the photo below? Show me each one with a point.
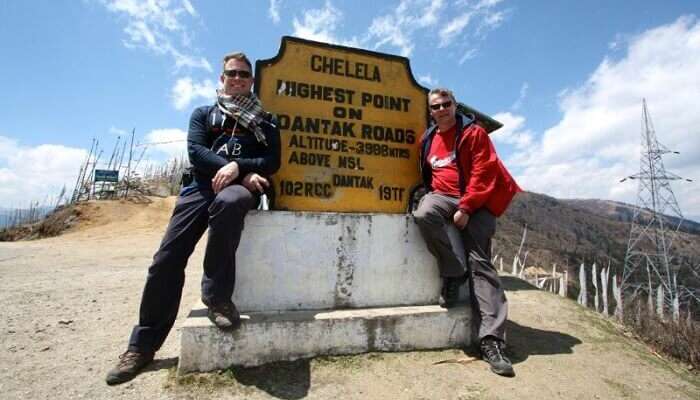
(353, 90)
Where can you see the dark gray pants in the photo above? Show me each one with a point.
(195, 210)
(452, 248)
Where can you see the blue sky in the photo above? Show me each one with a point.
(566, 78)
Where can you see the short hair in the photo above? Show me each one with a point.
(442, 92)
(237, 56)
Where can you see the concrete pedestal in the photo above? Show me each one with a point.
(327, 283)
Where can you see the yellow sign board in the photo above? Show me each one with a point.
(350, 124)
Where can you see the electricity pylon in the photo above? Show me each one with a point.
(652, 233)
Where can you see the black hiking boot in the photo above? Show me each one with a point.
(450, 292)
(225, 316)
(129, 365)
(492, 352)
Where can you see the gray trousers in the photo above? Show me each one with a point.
(453, 248)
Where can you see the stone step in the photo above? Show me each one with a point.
(313, 261)
(285, 336)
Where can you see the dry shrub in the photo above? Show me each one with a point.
(680, 340)
(53, 224)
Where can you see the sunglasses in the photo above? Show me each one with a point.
(438, 106)
(232, 73)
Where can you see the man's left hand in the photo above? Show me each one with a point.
(461, 218)
(255, 183)
(224, 176)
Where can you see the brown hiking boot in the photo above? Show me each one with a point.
(225, 316)
(129, 365)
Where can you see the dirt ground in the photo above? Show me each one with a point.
(68, 305)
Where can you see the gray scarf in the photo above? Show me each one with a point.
(246, 110)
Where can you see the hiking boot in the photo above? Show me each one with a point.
(492, 351)
(129, 365)
(225, 316)
(450, 292)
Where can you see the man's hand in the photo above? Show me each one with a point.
(224, 176)
(461, 218)
(255, 183)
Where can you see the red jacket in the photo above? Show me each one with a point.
(484, 180)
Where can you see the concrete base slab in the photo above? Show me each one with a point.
(285, 336)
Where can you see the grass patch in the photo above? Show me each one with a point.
(625, 391)
(349, 362)
(289, 380)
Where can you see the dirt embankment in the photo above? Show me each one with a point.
(69, 303)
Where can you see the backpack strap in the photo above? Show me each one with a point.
(217, 122)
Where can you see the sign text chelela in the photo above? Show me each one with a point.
(350, 125)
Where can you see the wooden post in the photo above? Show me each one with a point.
(604, 283)
(565, 290)
(676, 309)
(521, 274)
(660, 301)
(522, 242)
(617, 295)
(582, 295)
(128, 167)
(562, 286)
(676, 302)
(596, 295)
(92, 175)
(81, 174)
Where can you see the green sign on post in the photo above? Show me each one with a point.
(106, 175)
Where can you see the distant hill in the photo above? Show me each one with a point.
(569, 232)
(624, 212)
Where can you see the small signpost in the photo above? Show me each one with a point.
(350, 122)
(106, 175)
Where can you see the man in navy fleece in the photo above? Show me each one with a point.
(233, 147)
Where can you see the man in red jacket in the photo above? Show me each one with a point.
(467, 188)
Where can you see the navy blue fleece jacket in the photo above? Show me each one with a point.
(212, 142)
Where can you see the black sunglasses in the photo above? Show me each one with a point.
(438, 106)
(232, 73)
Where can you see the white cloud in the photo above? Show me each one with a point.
(319, 24)
(399, 28)
(485, 14)
(402, 28)
(491, 21)
(155, 25)
(523, 93)
(513, 131)
(468, 55)
(117, 131)
(597, 140)
(166, 143)
(186, 91)
(384, 30)
(428, 80)
(189, 8)
(274, 11)
(454, 27)
(32, 173)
